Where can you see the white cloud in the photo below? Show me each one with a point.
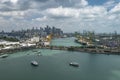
(89, 11)
(2, 1)
(44, 18)
(114, 13)
(65, 12)
(111, 17)
(116, 8)
(109, 4)
(14, 1)
(21, 14)
(13, 13)
(82, 3)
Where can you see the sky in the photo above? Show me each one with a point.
(69, 15)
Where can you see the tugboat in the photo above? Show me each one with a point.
(34, 63)
(74, 64)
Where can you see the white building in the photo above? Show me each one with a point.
(8, 45)
(35, 39)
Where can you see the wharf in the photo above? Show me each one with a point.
(88, 50)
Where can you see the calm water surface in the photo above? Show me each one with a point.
(54, 65)
(65, 42)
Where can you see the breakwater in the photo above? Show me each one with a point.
(71, 48)
(88, 50)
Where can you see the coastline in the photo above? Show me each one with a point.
(71, 48)
(10, 51)
(88, 50)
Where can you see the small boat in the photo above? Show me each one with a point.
(34, 63)
(74, 64)
(4, 56)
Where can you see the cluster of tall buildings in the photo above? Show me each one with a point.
(41, 32)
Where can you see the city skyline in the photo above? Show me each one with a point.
(69, 15)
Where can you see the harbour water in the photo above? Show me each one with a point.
(54, 65)
(64, 42)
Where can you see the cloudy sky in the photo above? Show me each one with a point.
(70, 15)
